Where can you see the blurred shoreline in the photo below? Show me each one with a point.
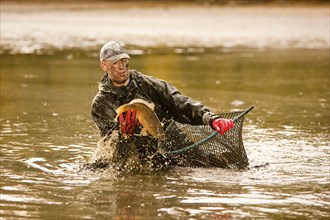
(35, 26)
(162, 3)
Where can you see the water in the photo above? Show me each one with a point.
(47, 132)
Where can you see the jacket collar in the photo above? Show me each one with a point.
(106, 85)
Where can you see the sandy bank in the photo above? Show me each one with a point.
(30, 27)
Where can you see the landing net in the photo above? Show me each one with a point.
(225, 151)
(145, 153)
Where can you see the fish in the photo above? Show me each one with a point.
(147, 117)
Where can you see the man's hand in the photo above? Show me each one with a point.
(222, 125)
(128, 122)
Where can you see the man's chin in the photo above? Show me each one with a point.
(122, 81)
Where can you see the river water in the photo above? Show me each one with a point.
(47, 133)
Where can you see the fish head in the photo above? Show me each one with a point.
(121, 109)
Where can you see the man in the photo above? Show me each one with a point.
(120, 85)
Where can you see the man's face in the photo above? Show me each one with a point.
(117, 72)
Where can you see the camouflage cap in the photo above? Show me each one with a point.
(113, 51)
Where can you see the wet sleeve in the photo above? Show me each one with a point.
(187, 110)
(103, 116)
(180, 107)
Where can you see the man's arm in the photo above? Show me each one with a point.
(180, 107)
(183, 108)
(103, 116)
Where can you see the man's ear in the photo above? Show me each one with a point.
(103, 66)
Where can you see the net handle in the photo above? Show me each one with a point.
(210, 136)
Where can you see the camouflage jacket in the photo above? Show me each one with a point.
(169, 102)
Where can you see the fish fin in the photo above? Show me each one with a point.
(152, 106)
(144, 132)
(116, 118)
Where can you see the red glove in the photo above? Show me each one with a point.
(128, 122)
(222, 125)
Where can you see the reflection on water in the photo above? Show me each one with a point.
(47, 132)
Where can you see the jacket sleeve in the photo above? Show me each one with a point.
(180, 107)
(103, 116)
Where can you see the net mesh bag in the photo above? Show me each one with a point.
(145, 153)
(225, 151)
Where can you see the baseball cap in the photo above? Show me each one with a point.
(113, 51)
